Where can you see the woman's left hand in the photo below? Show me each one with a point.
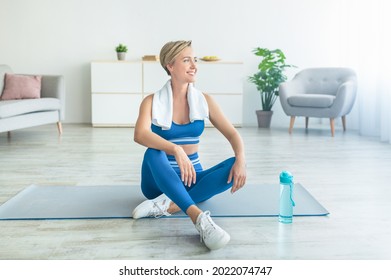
(238, 175)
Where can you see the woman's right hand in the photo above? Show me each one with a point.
(188, 174)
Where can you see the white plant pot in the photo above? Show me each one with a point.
(121, 55)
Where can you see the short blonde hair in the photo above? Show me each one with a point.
(170, 51)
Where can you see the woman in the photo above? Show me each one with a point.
(169, 125)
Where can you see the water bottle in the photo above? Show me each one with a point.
(286, 199)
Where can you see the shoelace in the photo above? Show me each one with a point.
(207, 226)
(158, 212)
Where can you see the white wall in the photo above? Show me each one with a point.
(63, 37)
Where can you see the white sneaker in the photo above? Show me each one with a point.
(156, 207)
(213, 236)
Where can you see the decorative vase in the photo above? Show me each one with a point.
(264, 118)
(121, 55)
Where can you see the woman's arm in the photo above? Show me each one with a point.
(144, 136)
(218, 119)
(142, 131)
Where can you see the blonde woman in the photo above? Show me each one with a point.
(169, 124)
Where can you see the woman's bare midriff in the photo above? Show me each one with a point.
(190, 148)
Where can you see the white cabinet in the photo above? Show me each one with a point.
(116, 93)
(154, 77)
(119, 77)
(231, 105)
(115, 109)
(220, 78)
(224, 82)
(118, 88)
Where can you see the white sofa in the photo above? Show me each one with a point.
(23, 113)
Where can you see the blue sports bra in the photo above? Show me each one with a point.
(181, 134)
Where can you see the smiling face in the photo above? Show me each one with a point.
(184, 67)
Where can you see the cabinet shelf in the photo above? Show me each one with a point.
(118, 88)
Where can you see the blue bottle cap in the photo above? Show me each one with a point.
(286, 177)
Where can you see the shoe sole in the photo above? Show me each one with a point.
(221, 244)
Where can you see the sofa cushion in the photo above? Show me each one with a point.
(21, 87)
(311, 100)
(10, 108)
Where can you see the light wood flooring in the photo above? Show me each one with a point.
(349, 174)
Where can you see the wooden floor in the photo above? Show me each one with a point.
(350, 175)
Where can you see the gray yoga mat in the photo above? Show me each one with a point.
(107, 202)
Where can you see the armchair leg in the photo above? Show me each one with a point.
(332, 126)
(344, 123)
(306, 122)
(59, 127)
(292, 122)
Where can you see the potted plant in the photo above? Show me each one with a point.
(267, 80)
(121, 51)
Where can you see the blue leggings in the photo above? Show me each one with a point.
(159, 176)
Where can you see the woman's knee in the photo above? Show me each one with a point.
(230, 161)
(153, 155)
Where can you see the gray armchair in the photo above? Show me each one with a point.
(319, 93)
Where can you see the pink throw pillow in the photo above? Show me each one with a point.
(21, 87)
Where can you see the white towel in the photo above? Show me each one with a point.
(162, 106)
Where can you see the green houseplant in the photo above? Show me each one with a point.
(121, 50)
(267, 80)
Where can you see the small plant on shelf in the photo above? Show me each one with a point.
(121, 50)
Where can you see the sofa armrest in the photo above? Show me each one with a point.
(54, 86)
(288, 89)
(345, 98)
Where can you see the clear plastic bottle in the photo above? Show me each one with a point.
(286, 198)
